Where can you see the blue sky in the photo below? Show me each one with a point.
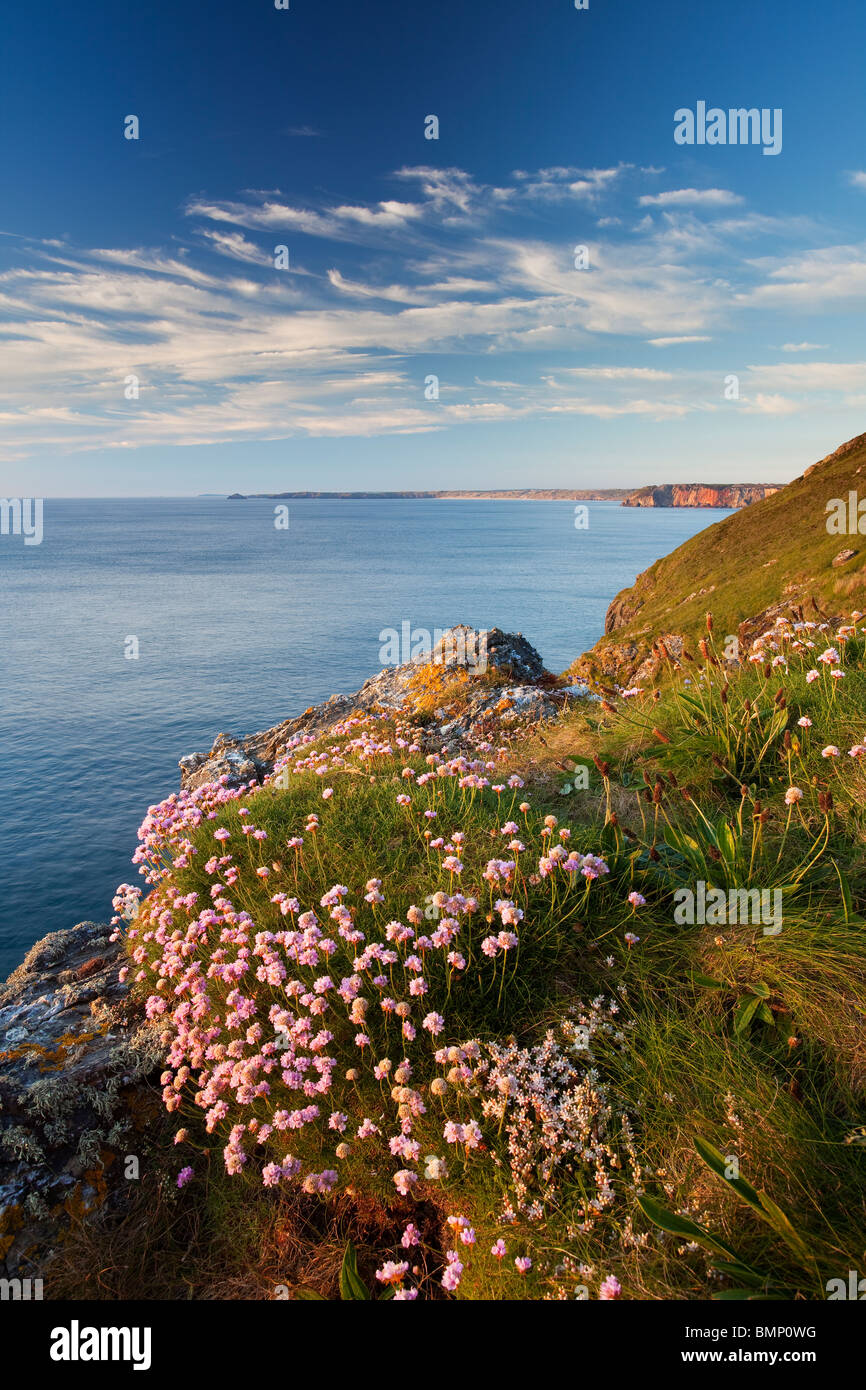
(411, 258)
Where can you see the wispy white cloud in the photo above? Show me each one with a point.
(682, 338)
(690, 197)
(224, 346)
(235, 245)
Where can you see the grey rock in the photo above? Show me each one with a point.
(71, 1053)
(508, 687)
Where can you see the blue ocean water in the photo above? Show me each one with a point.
(240, 625)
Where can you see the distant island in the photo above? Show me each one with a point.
(731, 495)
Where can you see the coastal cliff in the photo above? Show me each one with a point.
(701, 495)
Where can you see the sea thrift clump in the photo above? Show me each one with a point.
(304, 1017)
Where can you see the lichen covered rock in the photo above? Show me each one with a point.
(72, 1053)
(469, 682)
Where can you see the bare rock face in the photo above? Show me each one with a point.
(226, 759)
(507, 685)
(71, 1057)
(701, 495)
(623, 610)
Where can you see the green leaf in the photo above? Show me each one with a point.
(352, 1286)
(744, 1013)
(309, 1295)
(765, 1015)
(761, 989)
(681, 1226)
(844, 885)
(727, 844)
(683, 844)
(735, 1269)
(692, 703)
(707, 981)
(776, 1218)
(719, 1165)
(762, 1204)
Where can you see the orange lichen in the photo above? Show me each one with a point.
(52, 1058)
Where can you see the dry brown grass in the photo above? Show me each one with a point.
(233, 1240)
(850, 584)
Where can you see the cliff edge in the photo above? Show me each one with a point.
(701, 495)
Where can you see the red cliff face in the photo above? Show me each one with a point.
(701, 495)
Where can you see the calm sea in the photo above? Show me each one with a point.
(240, 625)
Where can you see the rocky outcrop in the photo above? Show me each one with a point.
(505, 686)
(73, 1060)
(842, 558)
(849, 447)
(639, 662)
(701, 495)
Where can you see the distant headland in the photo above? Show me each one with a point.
(732, 495)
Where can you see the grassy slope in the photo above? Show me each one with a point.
(742, 565)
